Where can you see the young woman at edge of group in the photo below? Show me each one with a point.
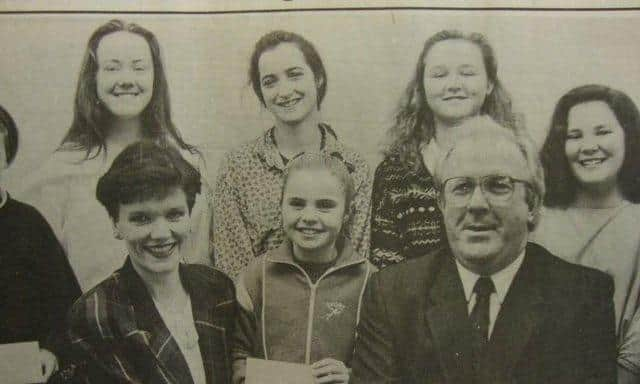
(122, 96)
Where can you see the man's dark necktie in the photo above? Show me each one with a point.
(480, 319)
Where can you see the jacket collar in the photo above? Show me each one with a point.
(346, 254)
(267, 150)
(147, 329)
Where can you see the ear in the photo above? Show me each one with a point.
(319, 82)
(116, 231)
(535, 204)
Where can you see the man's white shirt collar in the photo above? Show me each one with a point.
(501, 280)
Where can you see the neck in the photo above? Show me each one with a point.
(303, 136)
(316, 256)
(598, 197)
(446, 131)
(163, 287)
(123, 132)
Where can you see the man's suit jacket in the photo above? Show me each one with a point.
(556, 325)
(118, 336)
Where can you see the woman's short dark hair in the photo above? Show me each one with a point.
(311, 56)
(91, 117)
(561, 183)
(10, 132)
(146, 170)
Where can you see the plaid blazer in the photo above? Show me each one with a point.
(118, 336)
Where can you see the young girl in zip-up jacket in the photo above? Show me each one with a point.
(301, 302)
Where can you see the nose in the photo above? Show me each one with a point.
(160, 229)
(125, 84)
(478, 201)
(453, 83)
(589, 146)
(285, 88)
(308, 215)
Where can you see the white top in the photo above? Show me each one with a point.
(3, 197)
(501, 280)
(179, 320)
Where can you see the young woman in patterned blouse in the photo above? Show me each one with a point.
(290, 81)
(456, 77)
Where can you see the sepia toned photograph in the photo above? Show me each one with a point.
(274, 192)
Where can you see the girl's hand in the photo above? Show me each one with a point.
(49, 363)
(330, 371)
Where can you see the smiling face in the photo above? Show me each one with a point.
(485, 237)
(288, 84)
(154, 232)
(455, 80)
(594, 145)
(124, 80)
(313, 209)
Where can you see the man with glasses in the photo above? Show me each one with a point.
(490, 307)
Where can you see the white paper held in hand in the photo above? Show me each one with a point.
(20, 363)
(277, 372)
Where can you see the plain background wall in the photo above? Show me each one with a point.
(369, 56)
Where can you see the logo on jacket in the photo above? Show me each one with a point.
(334, 308)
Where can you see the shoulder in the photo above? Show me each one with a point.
(59, 168)
(208, 278)
(246, 151)
(27, 214)
(391, 169)
(563, 278)
(252, 275)
(409, 276)
(104, 301)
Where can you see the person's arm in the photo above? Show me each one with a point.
(57, 288)
(386, 239)
(96, 358)
(233, 249)
(597, 336)
(359, 224)
(374, 359)
(629, 352)
(245, 332)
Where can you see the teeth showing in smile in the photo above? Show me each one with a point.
(309, 231)
(126, 94)
(289, 103)
(161, 249)
(591, 162)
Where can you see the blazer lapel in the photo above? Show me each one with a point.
(212, 337)
(520, 314)
(448, 319)
(153, 332)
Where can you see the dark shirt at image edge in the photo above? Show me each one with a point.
(37, 285)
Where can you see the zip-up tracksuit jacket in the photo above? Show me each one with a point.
(285, 317)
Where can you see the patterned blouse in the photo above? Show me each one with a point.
(405, 219)
(247, 217)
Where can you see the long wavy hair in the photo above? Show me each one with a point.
(89, 129)
(414, 120)
(561, 183)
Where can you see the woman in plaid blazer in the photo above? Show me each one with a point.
(155, 320)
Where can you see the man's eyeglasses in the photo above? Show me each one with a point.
(497, 189)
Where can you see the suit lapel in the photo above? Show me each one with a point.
(212, 335)
(448, 319)
(153, 333)
(520, 314)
